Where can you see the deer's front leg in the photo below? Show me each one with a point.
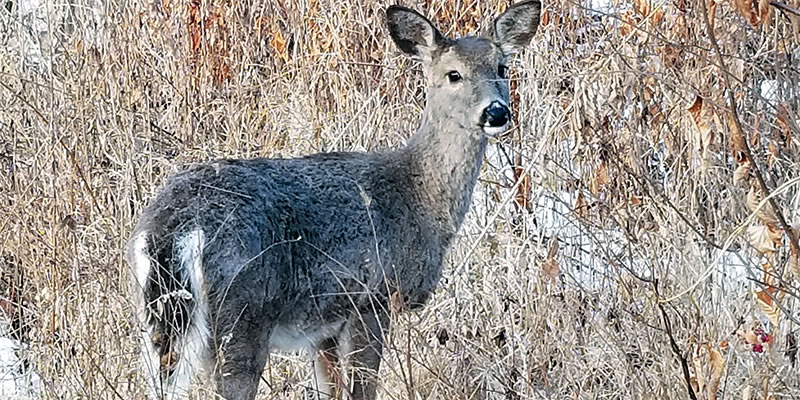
(367, 331)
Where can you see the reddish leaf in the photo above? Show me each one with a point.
(748, 10)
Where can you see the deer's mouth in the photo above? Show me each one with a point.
(494, 131)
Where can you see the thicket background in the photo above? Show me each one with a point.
(619, 245)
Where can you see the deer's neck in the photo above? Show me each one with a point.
(445, 157)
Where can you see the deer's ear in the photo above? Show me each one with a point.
(515, 28)
(414, 34)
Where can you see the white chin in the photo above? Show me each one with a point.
(494, 130)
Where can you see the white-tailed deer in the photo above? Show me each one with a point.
(235, 258)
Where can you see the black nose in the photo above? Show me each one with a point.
(495, 115)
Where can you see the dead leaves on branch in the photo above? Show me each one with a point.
(600, 178)
(756, 12)
(766, 234)
(645, 9)
(737, 139)
(765, 300)
(276, 40)
(764, 239)
(550, 269)
(762, 210)
(209, 38)
(702, 117)
(708, 367)
(784, 132)
(741, 174)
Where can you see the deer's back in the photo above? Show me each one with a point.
(305, 239)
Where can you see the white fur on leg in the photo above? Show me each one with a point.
(193, 346)
(140, 260)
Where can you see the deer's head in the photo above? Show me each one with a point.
(467, 77)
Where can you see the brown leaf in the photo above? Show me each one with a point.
(767, 305)
(764, 213)
(550, 268)
(764, 12)
(600, 178)
(523, 197)
(702, 116)
(748, 10)
(712, 11)
(755, 137)
(670, 56)
(764, 296)
(742, 173)
(738, 145)
(764, 239)
(784, 126)
(774, 154)
(696, 110)
(581, 208)
(645, 8)
(700, 375)
(717, 365)
(545, 19)
(277, 42)
(708, 366)
(769, 274)
(628, 23)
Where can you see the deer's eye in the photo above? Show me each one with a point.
(502, 71)
(453, 76)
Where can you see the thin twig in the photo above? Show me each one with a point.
(785, 7)
(674, 345)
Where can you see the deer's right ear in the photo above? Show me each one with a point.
(515, 28)
(414, 34)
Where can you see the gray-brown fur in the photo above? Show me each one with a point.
(315, 246)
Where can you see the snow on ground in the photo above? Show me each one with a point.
(17, 381)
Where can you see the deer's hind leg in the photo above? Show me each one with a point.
(243, 323)
(242, 352)
(367, 331)
(327, 370)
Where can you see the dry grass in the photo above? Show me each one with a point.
(99, 101)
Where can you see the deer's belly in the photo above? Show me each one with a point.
(293, 337)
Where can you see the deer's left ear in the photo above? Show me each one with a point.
(515, 28)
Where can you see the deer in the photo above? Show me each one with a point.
(235, 258)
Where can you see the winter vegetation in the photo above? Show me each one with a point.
(633, 235)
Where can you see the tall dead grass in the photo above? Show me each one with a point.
(599, 232)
